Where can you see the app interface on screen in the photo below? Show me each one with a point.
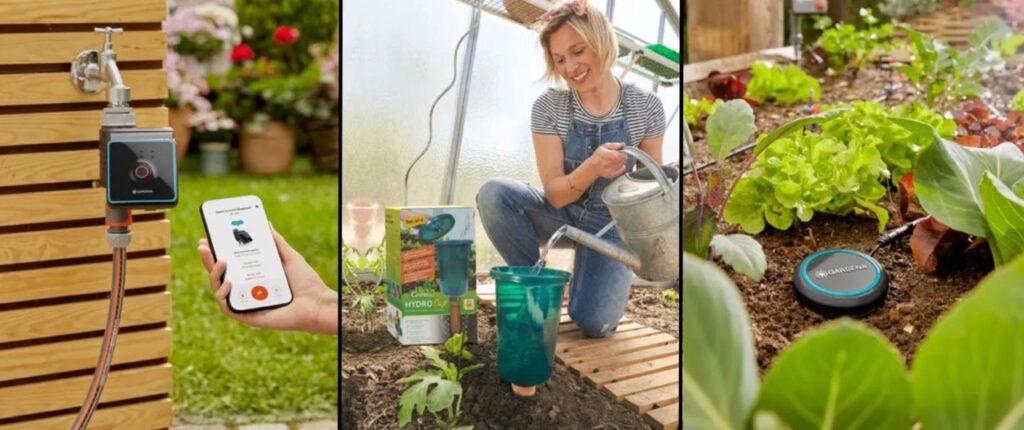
(241, 235)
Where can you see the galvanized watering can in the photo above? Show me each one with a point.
(644, 206)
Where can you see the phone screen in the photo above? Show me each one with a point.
(239, 234)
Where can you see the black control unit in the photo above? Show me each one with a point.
(138, 167)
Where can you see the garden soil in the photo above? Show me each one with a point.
(914, 302)
(373, 362)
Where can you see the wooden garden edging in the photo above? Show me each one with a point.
(953, 26)
(637, 366)
(55, 264)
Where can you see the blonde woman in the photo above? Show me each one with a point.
(578, 131)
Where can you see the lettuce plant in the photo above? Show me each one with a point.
(966, 374)
(847, 46)
(781, 84)
(899, 148)
(728, 128)
(807, 173)
(694, 109)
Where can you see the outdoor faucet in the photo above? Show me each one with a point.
(138, 170)
(119, 94)
(92, 71)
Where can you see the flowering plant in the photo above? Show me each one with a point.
(259, 91)
(199, 41)
(1014, 11)
(184, 85)
(204, 34)
(321, 102)
(212, 126)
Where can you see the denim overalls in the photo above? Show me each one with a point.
(517, 219)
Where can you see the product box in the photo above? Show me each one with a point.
(423, 244)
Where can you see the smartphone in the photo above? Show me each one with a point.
(239, 233)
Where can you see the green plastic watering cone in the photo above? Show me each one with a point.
(529, 307)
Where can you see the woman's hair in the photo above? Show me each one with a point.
(595, 30)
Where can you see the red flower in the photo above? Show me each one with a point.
(241, 53)
(285, 35)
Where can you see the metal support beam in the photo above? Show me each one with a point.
(672, 14)
(452, 168)
(609, 9)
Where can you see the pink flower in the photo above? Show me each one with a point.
(286, 35)
(241, 53)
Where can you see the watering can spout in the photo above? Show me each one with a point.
(605, 248)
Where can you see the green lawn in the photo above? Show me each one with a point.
(225, 371)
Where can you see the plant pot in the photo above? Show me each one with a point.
(178, 120)
(269, 151)
(522, 11)
(324, 137)
(214, 157)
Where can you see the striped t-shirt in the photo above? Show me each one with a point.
(645, 115)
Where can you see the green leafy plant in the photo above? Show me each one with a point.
(260, 91)
(438, 390)
(730, 126)
(869, 120)
(845, 375)
(670, 296)
(808, 173)
(694, 110)
(973, 190)
(781, 84)
(848, 46)
(1017, 103)
(947, 74)
(363, 277)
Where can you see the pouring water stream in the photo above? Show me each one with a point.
(542, 261)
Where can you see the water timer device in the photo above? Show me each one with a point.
(138, 167)
(840, 281)
(239, 233)
(808, 7)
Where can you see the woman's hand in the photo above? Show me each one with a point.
(608, 161)
(314, 306)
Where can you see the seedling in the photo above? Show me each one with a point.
(354, 266)
(438, 390)
(850, 48)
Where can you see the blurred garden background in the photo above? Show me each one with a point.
(253, 100)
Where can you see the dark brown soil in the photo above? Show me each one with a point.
(373, 362)
(647, 307)
(914, 302)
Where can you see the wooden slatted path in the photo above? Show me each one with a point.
(637, 366)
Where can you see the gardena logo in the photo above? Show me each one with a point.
(822, 274)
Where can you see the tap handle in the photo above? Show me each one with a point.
(108, 31)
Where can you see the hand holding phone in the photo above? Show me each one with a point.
(238, 232)
(314, 307)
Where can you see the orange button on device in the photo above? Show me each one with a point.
(259, 293)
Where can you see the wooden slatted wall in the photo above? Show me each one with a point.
(55, 264)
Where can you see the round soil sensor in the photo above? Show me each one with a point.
(840, 281)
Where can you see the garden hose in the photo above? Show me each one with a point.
(119, 235)
(430, 121)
